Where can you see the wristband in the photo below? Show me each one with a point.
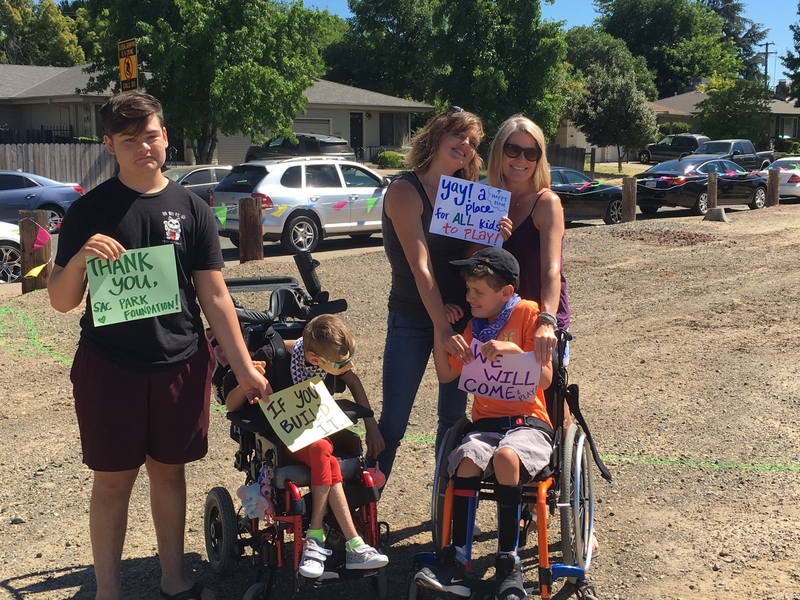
(546, 317)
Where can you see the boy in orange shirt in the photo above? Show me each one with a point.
(512, 439)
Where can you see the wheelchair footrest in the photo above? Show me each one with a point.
(567, 571)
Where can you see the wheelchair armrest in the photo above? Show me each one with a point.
(354, 411)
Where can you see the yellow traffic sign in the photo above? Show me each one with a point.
(128, 67)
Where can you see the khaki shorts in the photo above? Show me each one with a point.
(532, 446)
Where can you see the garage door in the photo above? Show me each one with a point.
(321, 126)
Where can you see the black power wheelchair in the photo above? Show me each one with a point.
(564, 487)
(232, 535)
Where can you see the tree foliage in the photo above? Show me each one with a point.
(591, 48)
(746, 34)
(218, 66)
(498, 58)
(735, 108)
(612, 111)
(791, 60)
(36, 33)
(388, 48)
(680, 39)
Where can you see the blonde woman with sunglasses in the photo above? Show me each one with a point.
(518, 163)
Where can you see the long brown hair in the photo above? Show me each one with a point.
(541, 174)
(425, 144)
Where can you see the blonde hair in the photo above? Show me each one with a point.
(541, 174)
(328, 337)
(425, 144)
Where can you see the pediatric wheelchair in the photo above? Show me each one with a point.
(232, 535)
(564, 486)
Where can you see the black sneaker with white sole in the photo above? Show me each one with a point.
(447, 575)
(508, 572)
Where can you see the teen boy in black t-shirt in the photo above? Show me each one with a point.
(142, 387)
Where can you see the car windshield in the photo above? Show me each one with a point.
(333, 147)
(714, 148)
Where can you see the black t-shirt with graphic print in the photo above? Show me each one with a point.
(172, 216)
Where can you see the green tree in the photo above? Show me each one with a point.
(746, 34)
(218, 66)
(612, 111)
(791, 60)
(735, 108)
(680, 39)
(591, 47)
(387, 48)
(36, 33)
(498, 58)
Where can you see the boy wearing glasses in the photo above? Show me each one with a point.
(326, 348)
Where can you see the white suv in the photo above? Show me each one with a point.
(304, 199)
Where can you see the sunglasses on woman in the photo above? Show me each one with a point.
(513, 151)
(339, 365)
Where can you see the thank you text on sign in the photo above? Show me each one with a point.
(141, 283)
(469, 211)
(304, 413)
(512, 377)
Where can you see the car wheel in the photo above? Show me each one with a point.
(300, 234)
(701, 204)
(613, 212)
(10, 262)
(648, 210)
(759, 198)
(54, 216)
(644, 157)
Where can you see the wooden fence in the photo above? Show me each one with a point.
(571, 157)
(85, 164)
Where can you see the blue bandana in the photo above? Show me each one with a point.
(483, 331)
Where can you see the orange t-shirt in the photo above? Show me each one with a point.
(519, 329)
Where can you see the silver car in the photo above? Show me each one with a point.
(200, 179)
(303, 200)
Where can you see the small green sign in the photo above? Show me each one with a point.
(142, 283)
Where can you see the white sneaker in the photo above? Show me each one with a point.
(365, 557)
(312, 562)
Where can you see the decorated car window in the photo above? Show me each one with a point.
(576, 178)
(322, 176)
(731, 168)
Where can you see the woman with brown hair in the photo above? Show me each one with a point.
(423, 280)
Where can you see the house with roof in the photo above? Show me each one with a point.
(47, 99)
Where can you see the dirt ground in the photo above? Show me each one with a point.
(685, 350)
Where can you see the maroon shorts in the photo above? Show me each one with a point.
(125, 416)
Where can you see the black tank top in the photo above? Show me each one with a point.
(404, 298)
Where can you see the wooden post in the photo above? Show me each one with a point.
(29, 222)
(713, 179)
(628, 199)
(251, 230)
(773, 187)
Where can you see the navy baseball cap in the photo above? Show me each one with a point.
(501, 261)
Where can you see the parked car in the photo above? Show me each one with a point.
(684, 182)
(26, 191)
(304, 200)
(10, 258)
(308, 145)
(742, 152)
(789, 171)
(584, 198)
(200, 179)
(671, 146)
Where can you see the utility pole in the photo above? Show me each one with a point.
(766, 61)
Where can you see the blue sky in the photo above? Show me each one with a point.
(775, 15)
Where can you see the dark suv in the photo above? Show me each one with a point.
(308, 145)
(670, 147)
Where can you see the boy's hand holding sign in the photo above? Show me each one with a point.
(469, 211)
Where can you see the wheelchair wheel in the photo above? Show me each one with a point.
(576, 504)
(255, 591)
(221, 530)
(452, 438)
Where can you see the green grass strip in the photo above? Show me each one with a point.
(31, 331)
